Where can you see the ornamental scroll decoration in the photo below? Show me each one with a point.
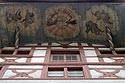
(112, 73)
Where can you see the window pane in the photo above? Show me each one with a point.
(55, 74)
(120, 51)
(74, 58)
(68, 58)
(0, 67)
(75, 73)
(61, 58)
(71, 58)
(105, 52)
(55, 57)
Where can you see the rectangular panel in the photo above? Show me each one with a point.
(23, 72)
(105, 71)
(39, 52)
(90, 53)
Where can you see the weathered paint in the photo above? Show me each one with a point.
(47, 22)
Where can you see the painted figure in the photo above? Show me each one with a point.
(73, 22)
(29, 18)
(13, 17)
(93, 27)
(102, 16)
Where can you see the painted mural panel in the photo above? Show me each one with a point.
(62, 22)
(98, 18)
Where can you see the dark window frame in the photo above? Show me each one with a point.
(57, 72)
(76, 72)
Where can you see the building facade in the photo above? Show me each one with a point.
(53, 61)
(70, 40)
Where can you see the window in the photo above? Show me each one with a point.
(65, 56)
(57, 57)
(120, 51)
(20, 52)
(0, 67)
(75, 72)
(72, 57)
(55, 72)
(72, 72)
(23, 52)
(105, 51)
(7, 51)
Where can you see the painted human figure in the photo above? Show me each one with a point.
(102, 16)
(13, 17)
(93, 28)
(29, 18)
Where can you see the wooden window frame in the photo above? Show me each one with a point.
(54, 70)
(65, 72)
(75, 70)
(12, 52)
(65, 54)
(111, 53)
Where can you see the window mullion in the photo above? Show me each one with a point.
(78, 57)
(71, 57)
(65, 73)
(57, 58)
(65, 57)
